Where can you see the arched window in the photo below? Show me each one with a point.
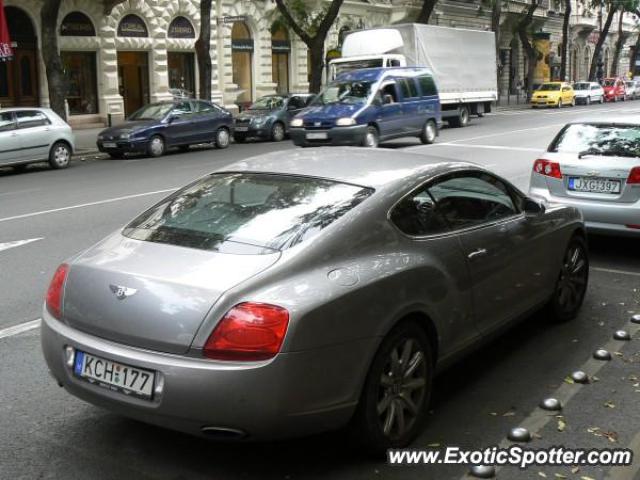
(280, 51)
(77, 24)
(242, 60)
(132, 26)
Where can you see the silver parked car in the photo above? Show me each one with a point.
(588, 92)
(29, 135)
(595, 166)
(290, 294)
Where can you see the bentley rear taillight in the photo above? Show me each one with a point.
(56, 290)
(547, 168)
(634, 176)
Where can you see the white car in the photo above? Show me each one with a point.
(29, 135)
(588, 92)
(633, 90)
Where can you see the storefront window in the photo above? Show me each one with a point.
(133, 77)
(181, 72)
(4, 80)
(280, 50)
(80, 69)
(242, 59)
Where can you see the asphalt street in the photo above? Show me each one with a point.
(47, 216)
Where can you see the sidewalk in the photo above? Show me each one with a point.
(86, 140)
(512, 102)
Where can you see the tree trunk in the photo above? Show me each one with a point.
(618, 47)
(529, 50)
(601, 39)
(427, 10)
(565, 40)
(56, 79)
(203, 50)
(634, 54)
(316, 54)
(496, 12)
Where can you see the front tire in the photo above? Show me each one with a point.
(587, 101)
(156, 146)
(222, 138)
(59, 155)
(572, 281)
(371, 138)
(277, 132)
(396, 393)
(429, 132)
(462, 120)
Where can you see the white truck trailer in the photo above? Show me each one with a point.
(462, 61)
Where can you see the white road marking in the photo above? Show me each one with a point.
(613, 270)
(84, 205)
(21, 328)
(487, 147)
(17, 243)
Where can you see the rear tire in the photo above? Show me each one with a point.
(395, 396)
(59, 155)
(239, 138)
(572, 281)
(462, 119)
(222, 138)
(371, 138)
(587, 101)
(429, 132)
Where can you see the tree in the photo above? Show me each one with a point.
(203, 50)
(618, 47)
(427, 9)
(565, 39)
(56, 80)
(312, 28)
(530, 51)
(612, 8)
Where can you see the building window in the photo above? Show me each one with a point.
(80, 69)
(242, 59)
(132, 26)
(280, 51)
(77, 24)
(182, 72)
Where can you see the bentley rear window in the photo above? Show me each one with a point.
(247, 212)
(598, 139)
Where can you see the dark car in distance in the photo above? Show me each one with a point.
(159, 126)
(268, 118)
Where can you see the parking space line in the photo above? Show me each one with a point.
(84, 205)
(18, 243)
(613, 270)
(488, 147)
(20, 328)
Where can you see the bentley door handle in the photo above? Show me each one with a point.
(477, 253)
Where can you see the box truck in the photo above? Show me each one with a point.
(462, 61)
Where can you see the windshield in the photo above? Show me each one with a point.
(265, 211)
(267, 103)
(581, 86)
(599, 139)
(609, 83)
(156, 111)
(550, 87)
(353, 92)
(357, 65)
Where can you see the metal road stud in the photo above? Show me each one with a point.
(483, 471)
(580, 377)
(519, 434)
(635, 318)
(601, 354)
(621, 335)
(551, 404)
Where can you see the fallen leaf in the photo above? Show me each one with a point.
(508, 414)
(609, 404)
(584, 477)
(575, 470)
(561, 425)
(559, 475)
(493, 414)
(542, 474)
(433, 445)
(569, 380)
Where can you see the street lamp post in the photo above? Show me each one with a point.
(600, 64)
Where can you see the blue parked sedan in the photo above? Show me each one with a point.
(158, 126)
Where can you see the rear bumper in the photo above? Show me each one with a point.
(599, 217)
(334, 136)
(292, 394)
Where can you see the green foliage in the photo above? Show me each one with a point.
(305, 15)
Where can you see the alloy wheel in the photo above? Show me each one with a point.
(402, 388)
(572, 283)
(61, 155)
(277, 132)
(222, 138)
(429, 133)
(156, 146)
(371, 138)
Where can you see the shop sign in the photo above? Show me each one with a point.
(181, 28)
(233, 19)
(132, 26)
(77, 24)
(279, 46)
(242, 44)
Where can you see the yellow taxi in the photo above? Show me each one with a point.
(553, 94)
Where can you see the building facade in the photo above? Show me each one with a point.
(145, 49)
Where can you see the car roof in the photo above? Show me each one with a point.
(23, 109)
(359, 166)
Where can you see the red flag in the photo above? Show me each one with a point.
(6, 52)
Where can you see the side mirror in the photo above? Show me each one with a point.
(533, 208)
(387, 99)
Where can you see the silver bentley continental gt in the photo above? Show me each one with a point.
(304, 291)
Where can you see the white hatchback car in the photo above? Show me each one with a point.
(29, 135)
(588, 92)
